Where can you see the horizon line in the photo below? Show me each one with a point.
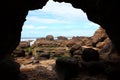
(53, 36)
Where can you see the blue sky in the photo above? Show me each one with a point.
(58, 19)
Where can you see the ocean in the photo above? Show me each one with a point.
(32, 40)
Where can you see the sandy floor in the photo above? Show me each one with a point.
(41, 70)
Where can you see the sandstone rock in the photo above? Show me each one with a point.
(76, 49)
(49, 37)
(99, 36)
(62, 38)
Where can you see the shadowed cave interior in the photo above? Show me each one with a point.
(13, 14)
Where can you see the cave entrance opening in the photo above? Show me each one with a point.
(57, 19)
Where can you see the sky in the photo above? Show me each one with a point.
(57, 19)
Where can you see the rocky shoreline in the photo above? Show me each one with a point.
(38, 61)
(50, 47)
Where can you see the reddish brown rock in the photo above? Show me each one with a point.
(99, 35)
(49, 37)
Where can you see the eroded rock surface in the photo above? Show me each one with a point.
(13, 14)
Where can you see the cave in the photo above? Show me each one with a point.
(13, 15)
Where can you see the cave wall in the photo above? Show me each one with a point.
(13, 13)
(12, 17)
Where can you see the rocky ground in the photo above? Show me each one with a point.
(39, 70)
(49, 48)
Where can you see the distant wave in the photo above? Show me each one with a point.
(34, 38)
(28, 38)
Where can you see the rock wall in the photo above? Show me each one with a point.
(13, 14)
(12, 17)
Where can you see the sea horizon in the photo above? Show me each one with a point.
(34, 38)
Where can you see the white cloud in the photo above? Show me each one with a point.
(80, 32)
(38, 20)
(30, 30)
(33, 31)
(28, 27)
(32, 27)
(90, 25)
(42, 27)
(63, 9)
(55, 12)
